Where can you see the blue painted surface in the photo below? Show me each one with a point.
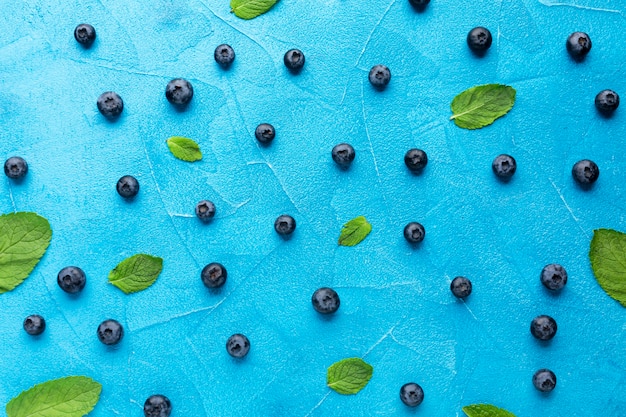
(397, 311)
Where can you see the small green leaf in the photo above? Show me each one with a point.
(136, 273)
(349, 376)
(184, 148)
(354, 231)
(249, 9)
(481, 105)
(485, 410)
(24, 238)
(73, 396)
(607, 254)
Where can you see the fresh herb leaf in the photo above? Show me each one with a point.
(136, 273)
(607, 254)
(24, 238)
(349, 376)
(485, 410)
(481, 105)
(354, 231)
(73, 396)
(184, 148)
(249, 9)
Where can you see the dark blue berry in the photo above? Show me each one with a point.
(585, 172)
(294, 60)
(110, 332)
(479, 40)
(224, 55)
(504, 166)
(85, 34)
(157, 406)
(214, 275)
(411, 394)
(238, 345)
(265, 133)
(543, 327)
(379, 76)
(15, 167)
(205, 210)
(578, 45)
(343, 155)
(71, 279)
(34, 324)
(285, 225)
(461, 287)
(419, 4)
(179, 92)
(127, 186)
(414, 232)
(415, 160)
(325, 300)
(544, 380)
(607, 101)
(110, 104)
(553, 277)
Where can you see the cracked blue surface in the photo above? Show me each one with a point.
(396, 307)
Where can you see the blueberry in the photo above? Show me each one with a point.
(157, 406)
(214, 275)
(607, 101)
(479, 39)
(205, 210)
(15, 167)
(110, 332)
(544, 380)
(585, 172)
(419, 4)
(294, 60)
(461, 287)
(578, 45)
(127, 186)
(325, 300)
(110, 104)
(343, 155)
(411, 394)
(265, 133)
(71, 279)
(379, 76)
(504, 166)
(179, 92)
(224, 55)
(285, 225)
(414, 232)
(543, 327)
(415, 160)
(553, 277)
(237, 345)
(34, 324)
(85, 34)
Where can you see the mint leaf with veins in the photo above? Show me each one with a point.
(184, 149)
(354, 231)
(485, 410)
(349, 376)
(607, 254)
(249, 9)
(136, 273)
(481, 105)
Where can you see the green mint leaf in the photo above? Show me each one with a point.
(24, 238)
(136, 273)
(349, 376)
(73, 396)
(481, 105)
(485, 410)
(249, 9)
(607, 254)
(184, 148)
(354, 231)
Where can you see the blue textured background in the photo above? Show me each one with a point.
(397, 310)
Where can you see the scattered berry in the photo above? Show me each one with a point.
(419, 4)
(543, 327)
(343, 155)
(237, 345)
(504, 166)
(285, 225)
(205, 210)
(325, 300)
(414, 232)
(34, 324)
(71, 279)
(607, 101)
(157, 406)
(85, 34)
(553, 277)
(110, 104)
(578, 45)
(461, 287)
(179, 92)
(411, 394)
(415, 160)
(214, 275)
(15, 167)
(294, 60)
(544, 380)
(127, 186)
(110, 332)
(224, 55)
(265, 133)
(585, 172)
(379, 76)
(479, 39)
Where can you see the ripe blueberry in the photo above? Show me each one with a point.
(110, 104)
(71, 279)
(415, 160)
(205, 210)
(15, 167)
(127, 186)
(214, 275)
(553, 277)
(479, 40)
(504, 166)
(544, 380)
(224, 55)
(379, 76)
(110, 332)
(179, 92)
(578, 45)
(607, 101)
(585, 172)
(285, 225)
(325, 300)
(414, 232)
(419, 4)
(543, 327)
(343, 155)
(157, 406)
(85, 34)
(237, 345)
(34, 324)
(294, 60)
(265, 133)
(411, 394)
(461, 287)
